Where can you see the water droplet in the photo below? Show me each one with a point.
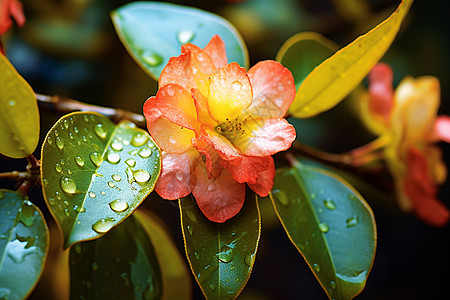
(170, 91)
(96, 158)
(71, 136)
(59, 143)
(333, 284)
(329, 204)
(237, 85)
(139, 140)
(100, 130)
(116, 145)
(12, 102)
(316, 267)
(353, 221)
(249, 259)
(102, 192)
(66, 123)
(237, 280)
(94, 266)
(212, 187)
(197, 256)
(86, 118)
(190, 229)
(226, 254)
(141, 176)
(323, 227)
(58, 195)
(68, 185)
(352, 197)
(49, 140)
(79, 209)
(185, 36)
(152, 59)
(191, 216)
(79, 160)
(66, 212)
(130, 162)
(58, 168)
(112, 157)
(179, 175)
(313, 196)
(92, 194)
(280, 196)
(172, 140)
(116, 177)
(145, 152)
(51, 201)
(103, 225)
(111, 184)
(75, 129)
(66, 203)
(118, 205)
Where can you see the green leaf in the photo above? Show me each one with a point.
(221, 255)
(24, 242)
(19, 115)
(303, 52)
(175, 274)
(337, 76)
(330, 224)
(153, 32)
(95, 173)
(120, 265)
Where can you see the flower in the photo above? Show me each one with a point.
(218, 127)
(409, 118)
(8, 9)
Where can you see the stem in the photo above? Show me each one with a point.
(67, 105)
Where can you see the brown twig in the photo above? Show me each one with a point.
(67, 105)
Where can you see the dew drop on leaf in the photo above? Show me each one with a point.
(111, 184)
(96, 158)
(152, 59)
(316, 267)
(79, 161)
(103, 225)
(249, 259)
(323, 227)
(68, 185)
(141, 176)
(116, 145)
(145, 152)
(329, 204)
(226, 254)
(116, 177)
(112, 157)
(58, 167)
(118, 205)
(185, 36)
(92, 194)
(353, 221)
(100, 130)
(59, 143)
(189, 228)
(139, 140)
(130, 162)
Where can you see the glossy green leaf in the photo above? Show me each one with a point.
(337, 76)
(176, 277)
(330, 224)
(24, 242)
(221, 255)
(19, 115)
(120, 265)
(303, 52)
(153, 32)
(95, 173)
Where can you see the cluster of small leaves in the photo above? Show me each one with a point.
(95, 174)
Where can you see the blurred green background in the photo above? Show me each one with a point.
(69, 48)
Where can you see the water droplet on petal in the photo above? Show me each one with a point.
(317, 267)
(172, 140)
(68, 185)
(212, 187)
(117, 145)
(237, 85)
(130, 162)
(59, 143)
(152, 59)
(226, 254)
(79, 160)
(353, 221)
(145, 152)
(112, 157)
(116, 177)
(185, 36)
(179, 175)
(329, 204)
(100, 130)
(139, 140)
(118, 205)
(323, 227)
(141, 176)
(103, 225)
(96, 158)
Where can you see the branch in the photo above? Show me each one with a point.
(67, 105)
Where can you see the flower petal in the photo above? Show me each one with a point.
(223, 146)
(273, 89)
(177, 105)
(264, 183)
(169, 136)
(201, 105)
(17, 12)
(219, 199)
(421, 191)
(262, 137)
(248, 169)
(381, 92)
(176, 177)
(209, 157)
(442, 128)
(178, 71)
(216, 51)
(230, 92)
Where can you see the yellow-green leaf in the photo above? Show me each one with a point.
(337, 76)
(19, 115)
(95, 173)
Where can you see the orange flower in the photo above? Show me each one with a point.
(409, 119)
(218, 127)
(8, 9)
